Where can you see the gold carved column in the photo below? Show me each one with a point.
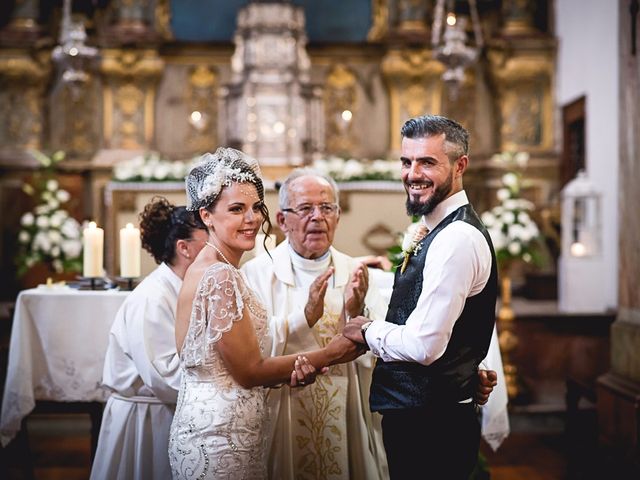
(130, 78)
(415, 87)
(23, 79)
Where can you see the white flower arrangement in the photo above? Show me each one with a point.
(513, 232)
(151, 167)
(352, 170)
(48, 234)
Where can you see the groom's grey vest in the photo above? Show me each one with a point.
(453, 377)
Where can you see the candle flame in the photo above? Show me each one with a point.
(93, 225)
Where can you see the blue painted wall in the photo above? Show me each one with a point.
(328, 21)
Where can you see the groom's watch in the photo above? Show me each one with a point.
(363, 330)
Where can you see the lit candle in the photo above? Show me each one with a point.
(92, 244)
(129, 252)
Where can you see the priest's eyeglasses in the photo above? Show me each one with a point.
(306, 209)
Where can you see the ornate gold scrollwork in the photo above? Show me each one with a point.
(524, 84)
(141, 64)
(518, 18)
(163, 19)
(340, 104)
(415, 88)
(129, 96)
(379, 21)
(22, 83)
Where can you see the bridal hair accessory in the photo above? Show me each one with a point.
(214, 171)
(411, 243)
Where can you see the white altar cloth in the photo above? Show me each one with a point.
(58, 343)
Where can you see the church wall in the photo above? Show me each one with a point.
(588, 65)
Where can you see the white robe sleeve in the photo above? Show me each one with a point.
(154, 349)
(495, 417)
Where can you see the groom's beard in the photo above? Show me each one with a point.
(417, 209)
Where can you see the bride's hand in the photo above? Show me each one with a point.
(304, 373)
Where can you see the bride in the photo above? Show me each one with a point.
(219, 428)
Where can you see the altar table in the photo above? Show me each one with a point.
(59, 338)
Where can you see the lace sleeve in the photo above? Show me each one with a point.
(217, 304)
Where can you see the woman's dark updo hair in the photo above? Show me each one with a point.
(162, 225)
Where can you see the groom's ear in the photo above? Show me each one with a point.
(460, 165)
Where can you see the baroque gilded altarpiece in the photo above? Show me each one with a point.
(149, 92)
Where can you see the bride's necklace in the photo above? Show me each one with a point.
(221, 254)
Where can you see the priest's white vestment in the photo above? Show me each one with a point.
(325, 430)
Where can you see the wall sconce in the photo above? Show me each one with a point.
(581, 217)
(580, 289)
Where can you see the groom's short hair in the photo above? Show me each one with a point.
(455, 135)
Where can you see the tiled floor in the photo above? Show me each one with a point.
(60, 450)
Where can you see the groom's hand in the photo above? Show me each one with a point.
(352, 330)
(342, 350)
(487, 379)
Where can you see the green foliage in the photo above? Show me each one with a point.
(48, 234)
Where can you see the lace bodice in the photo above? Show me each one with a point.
(220, 300)
(219, 428)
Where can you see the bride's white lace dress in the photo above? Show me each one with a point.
(219, 428)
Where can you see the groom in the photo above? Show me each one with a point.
(440, 318)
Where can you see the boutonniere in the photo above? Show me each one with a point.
(411, 243)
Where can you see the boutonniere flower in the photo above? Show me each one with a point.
(411, 243)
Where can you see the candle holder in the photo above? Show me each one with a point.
(126, 283)
(93, 283)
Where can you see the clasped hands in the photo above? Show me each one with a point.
(350, 344)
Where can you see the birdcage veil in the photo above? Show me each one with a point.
(214, 171)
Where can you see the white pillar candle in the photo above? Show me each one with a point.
(92, 256)
(130, 245)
